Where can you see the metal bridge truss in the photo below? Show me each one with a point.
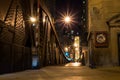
(20, 41)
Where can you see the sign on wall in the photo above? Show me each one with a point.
(101, 39)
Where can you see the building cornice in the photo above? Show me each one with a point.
(114, 21)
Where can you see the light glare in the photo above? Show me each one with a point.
(67, 19)
(66, 49)
(33, 19)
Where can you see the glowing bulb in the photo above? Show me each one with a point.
(67, 19)
(75, 44)
(33, 19)
(66, 49)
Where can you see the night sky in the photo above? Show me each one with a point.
(73, 7)
(62, 6)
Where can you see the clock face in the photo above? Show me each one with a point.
(100, 38)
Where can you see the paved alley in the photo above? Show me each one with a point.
(65, 73)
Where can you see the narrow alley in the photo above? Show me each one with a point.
(65, 73)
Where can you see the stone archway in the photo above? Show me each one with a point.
(114, 27)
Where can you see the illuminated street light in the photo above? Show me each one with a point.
(77, 49)
(75, 44)
(66, 49)
(67, 19)
(33, 19)
(43, 19)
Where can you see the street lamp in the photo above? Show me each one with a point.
(33, 19)
(75, 44)
(33, 22)
(67, 19)
(66, 49)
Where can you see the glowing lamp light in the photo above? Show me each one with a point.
(34, 61)
(75, 44)
(76, 49)
(67, 19)
(32, 19)
(43, 19)
(66, 49)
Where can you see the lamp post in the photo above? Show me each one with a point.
(33, 22)
(67, 20)
(32, 25)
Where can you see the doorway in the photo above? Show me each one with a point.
(119, 49)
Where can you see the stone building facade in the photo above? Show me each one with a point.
(103, 32)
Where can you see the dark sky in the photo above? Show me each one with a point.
(71, 3)
(73, 7)
(64, 5)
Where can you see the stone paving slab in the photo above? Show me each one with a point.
(65, 73)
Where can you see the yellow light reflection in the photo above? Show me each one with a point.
(75, 64)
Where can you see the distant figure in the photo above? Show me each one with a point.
(83, 59)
